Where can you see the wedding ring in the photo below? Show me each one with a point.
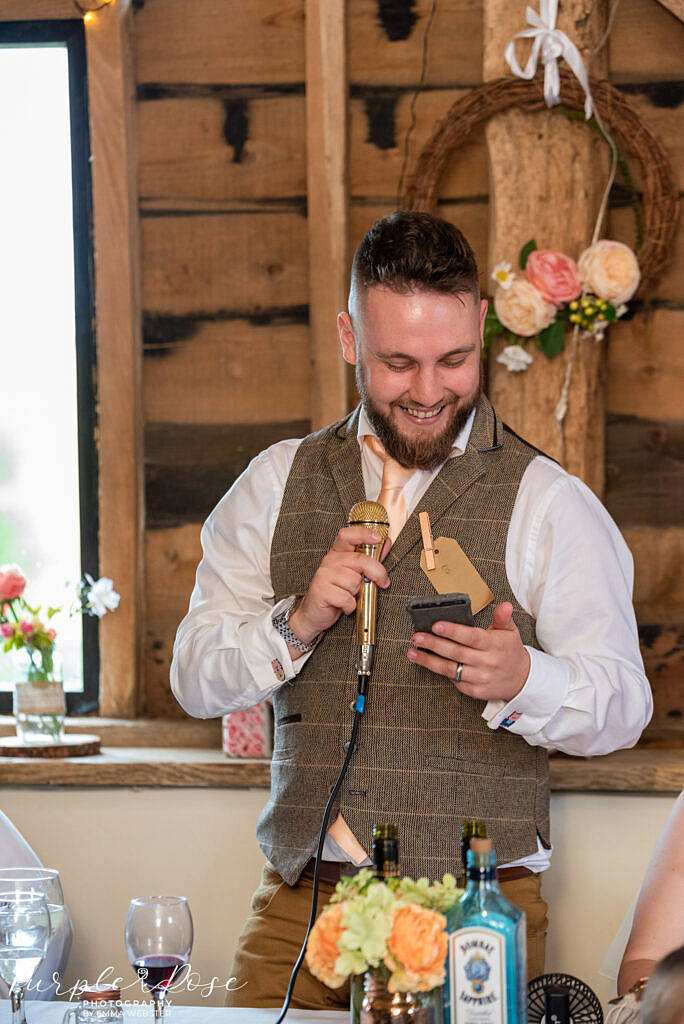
(459, 671)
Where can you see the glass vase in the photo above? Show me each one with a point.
(38, 701)
(372, 1003)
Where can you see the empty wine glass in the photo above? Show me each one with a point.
(158, 941)
(24, 938)
(46, 881)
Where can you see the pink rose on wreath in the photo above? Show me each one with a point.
(554, 275)
(12, 582)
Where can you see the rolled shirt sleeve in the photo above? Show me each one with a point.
(569, 567)
(227, 656)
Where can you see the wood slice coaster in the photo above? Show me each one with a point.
(71, 745)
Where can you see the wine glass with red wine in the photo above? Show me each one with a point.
(158, 941)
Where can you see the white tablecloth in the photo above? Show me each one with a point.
(52, 1013)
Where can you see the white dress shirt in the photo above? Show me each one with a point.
(567, 565)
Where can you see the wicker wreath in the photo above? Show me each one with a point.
(619, 117)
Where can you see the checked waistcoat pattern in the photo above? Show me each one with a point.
(426, 759)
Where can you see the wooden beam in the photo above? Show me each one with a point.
(326, 122)
(119, 350)
(675, 7)
(547, 175)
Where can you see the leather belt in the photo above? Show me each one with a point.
(331, 870)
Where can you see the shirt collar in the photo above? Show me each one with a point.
(459, 445)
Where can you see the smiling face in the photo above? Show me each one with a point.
(417, 358)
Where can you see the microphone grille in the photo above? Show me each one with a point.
(370, 514)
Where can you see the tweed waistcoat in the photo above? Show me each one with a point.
(425, 758)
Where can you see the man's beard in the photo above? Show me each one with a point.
(417, 453)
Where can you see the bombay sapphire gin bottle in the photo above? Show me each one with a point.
(486, 980)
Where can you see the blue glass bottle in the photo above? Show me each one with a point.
(486, 980)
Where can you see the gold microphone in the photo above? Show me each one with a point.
(374, 516)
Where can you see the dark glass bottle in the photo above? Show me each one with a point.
(386, 851)
(472, 829)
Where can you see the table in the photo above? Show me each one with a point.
(52, 1013)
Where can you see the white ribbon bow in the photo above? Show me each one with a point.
(553, 44)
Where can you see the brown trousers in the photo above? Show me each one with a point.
(273, 934)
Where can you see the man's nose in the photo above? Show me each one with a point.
(427, 389)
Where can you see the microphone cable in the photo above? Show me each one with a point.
(373, 515)
(359, 708)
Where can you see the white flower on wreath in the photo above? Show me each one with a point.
(514, 358)
(503, 275)
(101, 597)
(600, 329)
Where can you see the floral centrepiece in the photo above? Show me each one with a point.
(39, 699)
(397, 926)
(553, 292)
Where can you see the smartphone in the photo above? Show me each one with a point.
(425, 611)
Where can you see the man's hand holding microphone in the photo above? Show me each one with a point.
(487, 664)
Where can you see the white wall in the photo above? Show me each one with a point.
(112, 844)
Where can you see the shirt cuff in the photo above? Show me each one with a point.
(266, 653)
(540, 699)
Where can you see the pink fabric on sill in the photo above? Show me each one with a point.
(248, 733)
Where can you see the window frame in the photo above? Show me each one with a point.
(115, 413)
(71, 33)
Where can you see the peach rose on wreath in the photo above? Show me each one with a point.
(322, 950)
(522, 309)
(554, 275)
(610, 270)
(416, 949)
(12, 582)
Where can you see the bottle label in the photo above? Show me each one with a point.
(477, 972)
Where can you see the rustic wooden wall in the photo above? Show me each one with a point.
(223, 204)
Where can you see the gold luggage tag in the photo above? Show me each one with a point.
(453, 571)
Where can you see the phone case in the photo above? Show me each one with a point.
(425, 611)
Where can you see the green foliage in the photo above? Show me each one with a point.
(492, 328)
(552, 339)
(527, 248)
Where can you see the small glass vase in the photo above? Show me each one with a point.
(38, 701)
(372, 1003)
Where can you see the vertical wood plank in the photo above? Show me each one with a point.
(547, 176)
(119, 350)
(327, 183)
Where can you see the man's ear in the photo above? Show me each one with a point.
(347, 339)
(483, 314)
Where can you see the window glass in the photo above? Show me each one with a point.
(39, 463)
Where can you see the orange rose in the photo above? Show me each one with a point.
(322, 951)
(610, 270)
(522, 309)
(417, 949)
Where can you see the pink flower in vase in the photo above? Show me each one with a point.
(12, 582)
(7, 630)
(26, 627)
(554, 275)
(52, 633)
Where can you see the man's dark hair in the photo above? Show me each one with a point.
(408, 251)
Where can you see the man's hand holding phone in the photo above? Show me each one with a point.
(494, 662)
